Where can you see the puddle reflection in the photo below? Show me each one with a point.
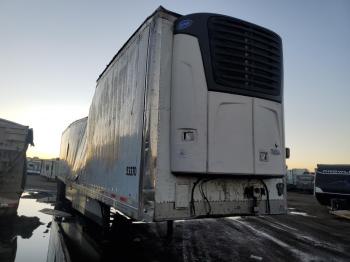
(69, 243)
(35, 247)
(41, 233)
(25, 237)
(8, 245)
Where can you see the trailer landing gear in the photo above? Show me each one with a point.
(61, 201)
(169, 228)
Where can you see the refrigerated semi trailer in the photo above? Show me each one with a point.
(186, 122)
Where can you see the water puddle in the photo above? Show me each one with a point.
(34, 248)
(26, 236)
(299, 213)
(56, 213)
(68, 242)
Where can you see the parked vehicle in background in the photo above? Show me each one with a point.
(14, 140)
(33, 166)
(292, 177)
(186, 122)
(300, 179)
(332, 185)
(49, 168)
(44, 167)
(305, 182)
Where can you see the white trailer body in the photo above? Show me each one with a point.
(183, 124)
(33, 166)
(49, 168)
(292, 176)
(300, 179)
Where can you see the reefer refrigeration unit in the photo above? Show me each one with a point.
(186, 121)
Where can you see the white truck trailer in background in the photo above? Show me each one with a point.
(49, 168)
(14, 140)
(33, 166)
(186, 122)
(300, 179)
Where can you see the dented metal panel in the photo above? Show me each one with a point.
(102, 154)
(106, 154)
(115, 124)
(189, 96)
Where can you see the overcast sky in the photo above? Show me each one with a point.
(51, 53)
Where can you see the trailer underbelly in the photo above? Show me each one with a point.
(190, 201)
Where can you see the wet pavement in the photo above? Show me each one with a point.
(307, 233)
(25, 237)
(34, 248)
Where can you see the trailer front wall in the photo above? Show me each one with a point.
(178, 195)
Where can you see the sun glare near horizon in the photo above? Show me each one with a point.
(48, 122)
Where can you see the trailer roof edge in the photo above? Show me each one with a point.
(160, 9)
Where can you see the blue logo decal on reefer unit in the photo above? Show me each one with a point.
(184, 24)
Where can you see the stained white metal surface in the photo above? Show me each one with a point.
(73, 147)
(268, 137)
(188, 107)
(111, 143)
(150, 105)
(103, 153)
(115, 124)
(230, 138)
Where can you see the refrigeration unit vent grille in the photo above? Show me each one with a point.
(245, 57)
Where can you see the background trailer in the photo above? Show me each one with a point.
(14, 140)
